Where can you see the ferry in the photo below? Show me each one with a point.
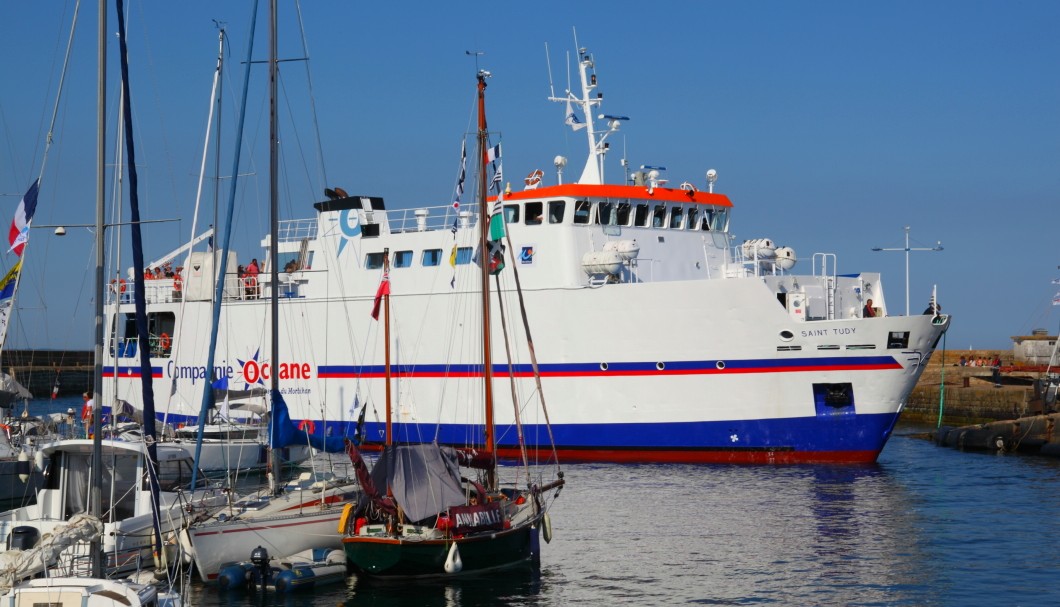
(658, 336)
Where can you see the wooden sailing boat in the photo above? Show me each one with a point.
(421, 515)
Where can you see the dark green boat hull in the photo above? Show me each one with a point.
(388, 557)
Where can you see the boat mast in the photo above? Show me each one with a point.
(386, 351)
(96, 491)
(483, 221)
(274, 301)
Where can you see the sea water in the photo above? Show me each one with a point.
(924, 526)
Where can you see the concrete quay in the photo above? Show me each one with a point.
(970, 396)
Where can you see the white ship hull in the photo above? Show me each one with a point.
(688, 353)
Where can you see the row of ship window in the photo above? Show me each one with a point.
(627, 214)
(640, 215)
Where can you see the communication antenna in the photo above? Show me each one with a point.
(476, 55)
(548, 61)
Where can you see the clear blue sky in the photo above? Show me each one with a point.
(831, 124)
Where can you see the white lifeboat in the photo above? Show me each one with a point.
(786, 258)
(626, 249)
(602, 262)
(759, 248)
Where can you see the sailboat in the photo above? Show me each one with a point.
(142, 491)
(424, 513)
(303, 514)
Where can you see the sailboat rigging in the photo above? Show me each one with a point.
(421, 517)
(286, 518)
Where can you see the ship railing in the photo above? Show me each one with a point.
(426, 219)
(294, 230)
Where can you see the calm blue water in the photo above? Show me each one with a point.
(924, 526)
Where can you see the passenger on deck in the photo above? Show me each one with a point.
(251, 280)
(148, 274)
(868, 311)
(933, 309)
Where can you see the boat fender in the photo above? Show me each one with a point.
(38, 461)
(23, 458)
(344, 518)
(454, 564)
(546, 528)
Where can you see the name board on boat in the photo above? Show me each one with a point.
(480, 517)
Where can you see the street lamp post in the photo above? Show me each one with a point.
(907, 248)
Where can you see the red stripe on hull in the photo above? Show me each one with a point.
(702, 456)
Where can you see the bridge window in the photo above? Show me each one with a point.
(658, 217)
(432, 257)
(693, 217)
(534, 211)
(640, 216)
(677, 214)
(463, 255)
(402, 259)
(721, 220)
(708, 218)
(555, 211)
(623, 213)
(511, 213)
(581, 211)
(605, 213)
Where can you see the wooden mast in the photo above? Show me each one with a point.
(483, 221)
(386, 352)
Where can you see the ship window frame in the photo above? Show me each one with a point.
(658, 217)
(708, 219)
(511, 213)
(374, 260)
(583, 212)
(464, 255)
(623, 213)
(557, 209)
(677, 213)
(431, 258)
(402, 259)
(692, 219)
(721, 220)
(605, 206)
(641, 216)
(535, 211)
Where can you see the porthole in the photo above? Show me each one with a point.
(603, 366)
(720, 364)
(787, 335)
(660, 366)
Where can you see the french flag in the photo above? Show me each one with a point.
(23, 216)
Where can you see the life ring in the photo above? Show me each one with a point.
(164, 341)
(534, 178)
(117, 285)
(307, 425)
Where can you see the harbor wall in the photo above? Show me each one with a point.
(41, 370)
(970, 396)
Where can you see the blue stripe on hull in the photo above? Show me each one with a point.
(804, 438)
